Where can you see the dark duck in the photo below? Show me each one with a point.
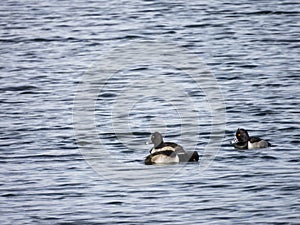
(168, 152)
(242, 140)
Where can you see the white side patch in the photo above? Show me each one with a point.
(260, 144)
(164, 159)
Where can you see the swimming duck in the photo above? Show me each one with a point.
(242, 140)
(168, 152)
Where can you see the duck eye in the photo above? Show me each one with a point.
(238, 134)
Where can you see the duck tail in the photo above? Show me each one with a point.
(194, 157)
(189, 156)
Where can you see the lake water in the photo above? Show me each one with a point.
(84, 83)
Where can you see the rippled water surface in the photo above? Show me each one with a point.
(82, 89)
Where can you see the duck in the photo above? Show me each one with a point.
(242, 140)
(168, 152)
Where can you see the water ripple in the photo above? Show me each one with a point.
(252, 48)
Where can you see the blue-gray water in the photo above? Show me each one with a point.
(252, 48)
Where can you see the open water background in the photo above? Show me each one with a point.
(47, 48)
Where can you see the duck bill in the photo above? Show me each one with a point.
(149, 142)
(235, 140)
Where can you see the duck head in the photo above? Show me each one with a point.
(242, 135)
(156, 139)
